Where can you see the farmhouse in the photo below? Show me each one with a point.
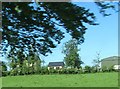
(109, 62)
(56, 65)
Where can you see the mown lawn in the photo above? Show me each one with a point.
(77, 80)
(0, 83)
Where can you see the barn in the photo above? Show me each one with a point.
(113, 61)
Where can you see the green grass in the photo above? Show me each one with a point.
(77, 80)
(0, 82)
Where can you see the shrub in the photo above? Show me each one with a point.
(63, 71)
(19, 71)
(93, 69)
(5, 73)
(30, 70)
(53, 71)
(82, 72)
(13, 72)
(87, 69)
(60, 71)
(70, 71)
(44, 70)
(79, 71)
(111, 69)
(104, 69)
(73, 71)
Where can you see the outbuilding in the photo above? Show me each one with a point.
(113, 61)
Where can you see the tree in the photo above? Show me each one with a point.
(34, 63)
(37, 64)
(36, 25)
(97, 61)
(43, 62)
(70, 50)
(37, 30)
(31, 62)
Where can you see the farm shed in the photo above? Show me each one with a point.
(109, 62)
(56, 65)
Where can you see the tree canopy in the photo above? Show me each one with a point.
(72, 58)
(37, 27)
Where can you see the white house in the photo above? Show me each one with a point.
(55, 65)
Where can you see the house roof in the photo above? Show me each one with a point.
(56, 64)
(112, 58)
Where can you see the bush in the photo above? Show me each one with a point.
(111, 69)
(93, 69)
(30, 70)
(53, 71)
(87, 69)
(104, 69)
(19, 71)
(79, 71)
(63, 71)
(13, 72)
(5, 73)
(72, 71)
(44, 70)
(37, 71)
(60, 71)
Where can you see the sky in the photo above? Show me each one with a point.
(102, 38)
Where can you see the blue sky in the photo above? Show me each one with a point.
(102, 38)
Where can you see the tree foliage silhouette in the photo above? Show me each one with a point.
(37, 27)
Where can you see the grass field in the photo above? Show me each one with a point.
(77, 80)
(0, 83)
